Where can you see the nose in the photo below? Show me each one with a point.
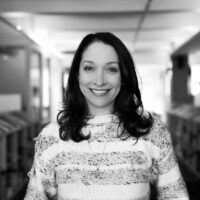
(100, 79)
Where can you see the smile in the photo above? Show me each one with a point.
(99, 92)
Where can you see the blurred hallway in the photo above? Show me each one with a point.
(38, 40)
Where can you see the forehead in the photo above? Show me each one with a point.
(100, 51)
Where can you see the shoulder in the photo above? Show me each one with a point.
(46, 138)
(158, 134)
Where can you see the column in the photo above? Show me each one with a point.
(180, 79)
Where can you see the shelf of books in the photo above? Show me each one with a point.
(183, 122)
(17, 131)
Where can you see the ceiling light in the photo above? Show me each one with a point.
(19, 28)
(192, 29)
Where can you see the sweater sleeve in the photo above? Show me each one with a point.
(42, 184)
(170, 184)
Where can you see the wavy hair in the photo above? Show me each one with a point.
(128, 103)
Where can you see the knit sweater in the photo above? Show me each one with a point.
(105, 167)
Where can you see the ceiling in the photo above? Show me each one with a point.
(149, 28)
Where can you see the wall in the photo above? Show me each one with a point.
(13, 75)
(151, 82)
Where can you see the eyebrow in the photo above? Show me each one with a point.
(113, 62)
(108, 63)
(88, 61)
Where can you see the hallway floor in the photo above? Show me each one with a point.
(192, 182)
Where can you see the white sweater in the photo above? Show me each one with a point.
(105, 167)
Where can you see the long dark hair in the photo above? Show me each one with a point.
(128, 104)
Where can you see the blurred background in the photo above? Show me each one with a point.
(37, 43)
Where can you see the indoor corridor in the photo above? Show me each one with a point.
(38, 40)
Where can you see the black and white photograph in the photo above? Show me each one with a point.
(99, 99)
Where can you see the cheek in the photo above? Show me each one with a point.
(81, 82)
(82, 87)
(116, 82)
(83, 79)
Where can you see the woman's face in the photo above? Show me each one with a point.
(100, 77)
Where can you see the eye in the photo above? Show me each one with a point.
(113, 69)
(88, 68)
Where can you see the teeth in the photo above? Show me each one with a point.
(99, 92)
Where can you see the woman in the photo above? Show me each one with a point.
(104, 145)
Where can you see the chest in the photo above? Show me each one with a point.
(118, 163)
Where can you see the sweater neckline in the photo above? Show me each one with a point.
(100, 119)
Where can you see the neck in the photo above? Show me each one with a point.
(96, 112)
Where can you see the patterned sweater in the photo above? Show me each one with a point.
(105, 167)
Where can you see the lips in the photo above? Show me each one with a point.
(99, 92)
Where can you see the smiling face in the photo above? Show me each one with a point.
(99, 77)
